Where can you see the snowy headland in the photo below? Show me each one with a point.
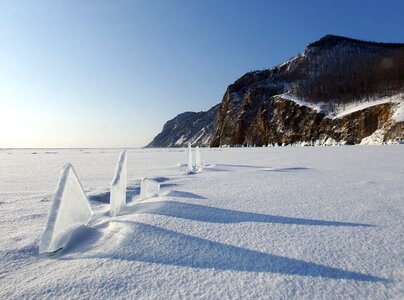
(285, 222)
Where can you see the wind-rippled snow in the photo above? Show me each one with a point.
(305, 222)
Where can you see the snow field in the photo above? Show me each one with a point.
(306, 222)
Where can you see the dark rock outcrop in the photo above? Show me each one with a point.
(281, 121)
(331, 73)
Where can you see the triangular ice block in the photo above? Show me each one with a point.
(70, 208)
(117, 198)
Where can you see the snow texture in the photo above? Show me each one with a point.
(376, 138)
(118, 186)
(398, 115)
(149, 188)
(70, 208)
(343, 110)
(353, 107)
(330, 225)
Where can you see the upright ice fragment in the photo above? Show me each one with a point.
(117, 198)
(70, 208)
(190, 164)
(149, 188)
(198, 159)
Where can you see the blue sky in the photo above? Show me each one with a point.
(111, 73)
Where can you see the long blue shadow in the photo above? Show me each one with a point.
(240, 166)
(290, 169)
(182, 194)
(287, 169)
(161, 179)
(133, 190)
(203, 213)
(158, 245)
(103, 197)
(167, 185)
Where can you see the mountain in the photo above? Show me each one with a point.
(194, 127)
(339, 90)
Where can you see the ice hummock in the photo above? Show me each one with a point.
(70, 208)
(190, 161)
(149, 188)
(198, 159)
(118, 186)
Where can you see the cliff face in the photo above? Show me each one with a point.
(281, 121)
(339, 89)
(298, 100)
(193, 127)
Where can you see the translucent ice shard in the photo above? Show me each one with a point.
(198, 159)
(117, 198)
(190, 165)
(149, 188)
(70, 208)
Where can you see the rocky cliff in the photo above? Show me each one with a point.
(339, 89)
(189, 127)
(281, 121)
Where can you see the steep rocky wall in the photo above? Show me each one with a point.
(331, 73)
(281, 121)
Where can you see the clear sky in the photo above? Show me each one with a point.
(91, 73)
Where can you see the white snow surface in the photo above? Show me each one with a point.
(353, 107)
(302, 102)
(279, 223)
(376, 138)
(343, 110)
(398, 115)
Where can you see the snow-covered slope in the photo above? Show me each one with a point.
(279, 223)
(398, 115)
(189, 127)
(342, 110)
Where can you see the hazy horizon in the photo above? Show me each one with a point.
(105, 74)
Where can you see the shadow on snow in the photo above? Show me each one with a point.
(182, 194)
(103, 197)
(287, 169)
(131, 191)
(210, 214)
(152, 244)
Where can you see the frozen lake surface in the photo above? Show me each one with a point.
(314, 223)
